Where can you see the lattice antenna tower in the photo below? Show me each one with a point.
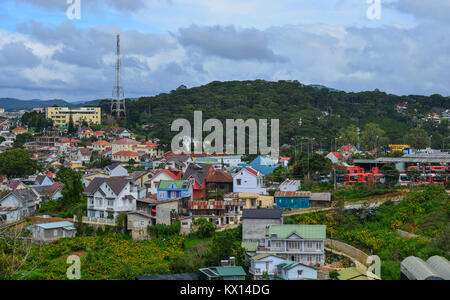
(118, 101)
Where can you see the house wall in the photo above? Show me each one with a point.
(292, 202)
(163, 212)
(271, 262)
(249, 183)
(119, 171)
(255, 229)
(137, 224)
(292, 274)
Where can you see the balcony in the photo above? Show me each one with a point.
(94, 220)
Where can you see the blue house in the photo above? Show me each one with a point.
(263, 164)
(292, 200)
(174, 189)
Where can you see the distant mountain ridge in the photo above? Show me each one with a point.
(13, 104)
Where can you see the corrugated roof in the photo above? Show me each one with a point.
(419, 269)
(53, 225)
(352, 274)
(265, 213)
(293, 194)
(230, 271)
(304, 231)
(441, 265)
(179, 184)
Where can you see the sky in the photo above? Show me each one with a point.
(351, 45)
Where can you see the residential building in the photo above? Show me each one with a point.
(228, 271)
(42, 180)
(248, 180)
(124, 144)
(299, 243)
(174, 189)
(116, 170)
(262, 164)
(49, 232)
(290, 185)
(108, 197)
(253, 201)
(125, 156)
(19, 130)
(264, 266)
(61, 115)
(152, 184)
(84, 155)
(292, 270)
(217, 211)
(180, 162)
(49, 192)
(219, 181)
(101, 146)
(292, 200)
(139, 178)
(255, 222)
(17, 205)
(320, 200)
(198, 173)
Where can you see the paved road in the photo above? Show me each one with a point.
(352, 205)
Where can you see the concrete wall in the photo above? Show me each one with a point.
(255, 229)
(348, 250)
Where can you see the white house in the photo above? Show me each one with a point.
(273, 266)
(304, 244)
(48, 232)
(115, 170)
(290, 185)
(153, 183)
(291, 270)
(262, 264)
(248, 180)
(18, 205)
(108, 197)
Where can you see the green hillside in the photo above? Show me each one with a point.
(322, 112)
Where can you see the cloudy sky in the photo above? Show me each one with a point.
(166, 43)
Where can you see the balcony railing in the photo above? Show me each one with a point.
(99, 220)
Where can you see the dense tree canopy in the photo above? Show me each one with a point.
(323, 113)
(417, 138)
(17, 163)
(36, 121)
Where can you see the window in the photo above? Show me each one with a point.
(238, 181)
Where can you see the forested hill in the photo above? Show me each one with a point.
(303, 110)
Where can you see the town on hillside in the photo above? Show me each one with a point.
(314, 214)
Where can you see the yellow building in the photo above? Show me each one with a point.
(252, 200)
(61, 115)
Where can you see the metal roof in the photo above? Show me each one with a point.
(416, 269)
(264, 213)
(64, 224)
(417, 158)
(441, 265)
(283, 231)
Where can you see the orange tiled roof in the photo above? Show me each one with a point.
(125, 153)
